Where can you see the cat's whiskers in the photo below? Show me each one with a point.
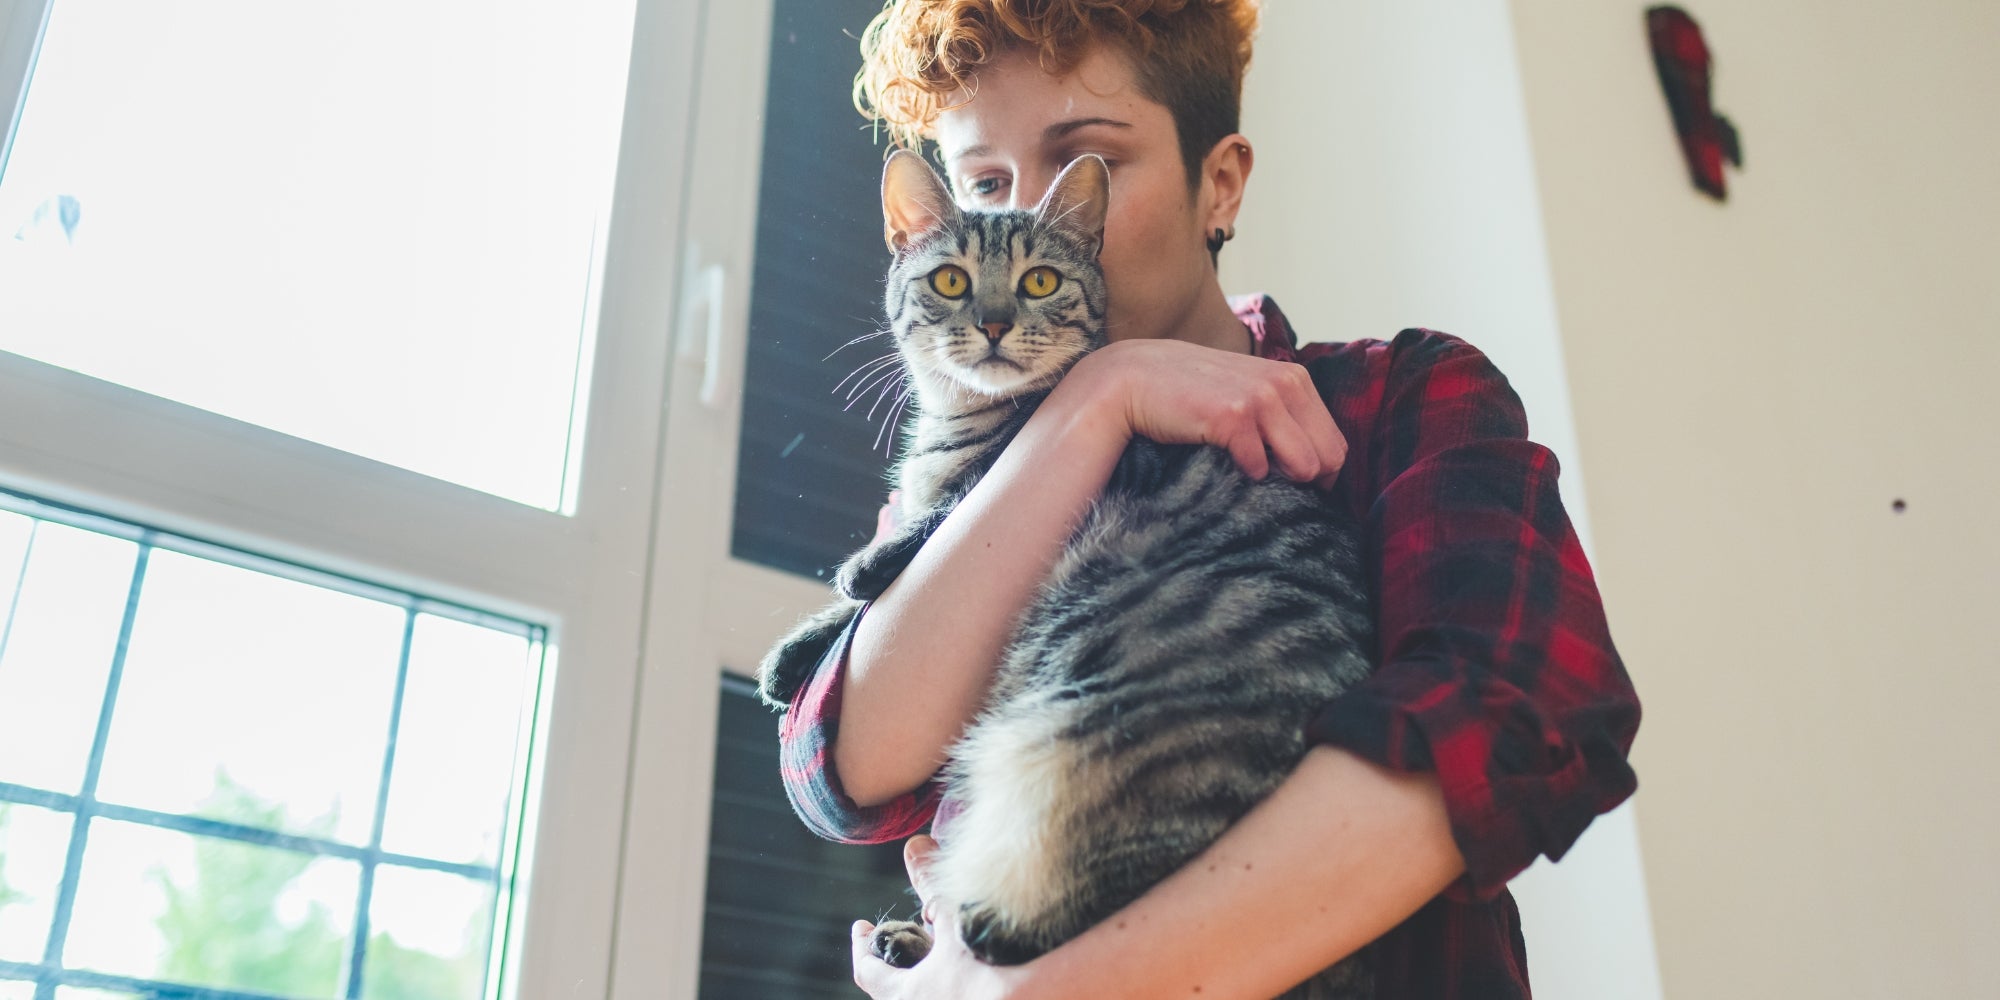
(886, 384)
(882, 378)
(876, 365)
(857, 340)
(891, 419)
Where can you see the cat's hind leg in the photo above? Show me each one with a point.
(1006, 859)
(900, 943)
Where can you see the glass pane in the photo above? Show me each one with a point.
(455, 748)
(157, 904)
(18, 991)
(428, 936)
(34, 843)
(809, 467)
(779, 900)
(385, 244)
(251, 698)
(56, 645)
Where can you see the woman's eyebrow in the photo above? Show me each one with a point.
(1064, 128)
(1054, 133)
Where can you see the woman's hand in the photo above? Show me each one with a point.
(949, 972)
(1262, 411)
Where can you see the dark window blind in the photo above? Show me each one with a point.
(809, 472)
(780, 900)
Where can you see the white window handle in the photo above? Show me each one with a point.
(702, 289)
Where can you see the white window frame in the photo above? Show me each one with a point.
(722, 611)
(641, 599)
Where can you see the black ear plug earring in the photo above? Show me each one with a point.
(1215, 242)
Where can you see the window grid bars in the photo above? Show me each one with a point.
(52, 953)
(55, 512)
(224, 830)
(366, 893)
(50, 974)
(145, 988)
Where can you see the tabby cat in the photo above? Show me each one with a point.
(1159, 684)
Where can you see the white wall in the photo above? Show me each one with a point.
(1395, 187)
(1754, 383)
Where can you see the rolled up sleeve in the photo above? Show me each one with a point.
(805, 762)
(1496, 668)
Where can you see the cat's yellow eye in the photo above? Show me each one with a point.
(1040, 282)
(951, 281)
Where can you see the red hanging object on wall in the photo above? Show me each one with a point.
(1681, 56)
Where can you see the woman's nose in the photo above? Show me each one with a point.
(1029, 188)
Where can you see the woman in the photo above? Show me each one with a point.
(1497, 723)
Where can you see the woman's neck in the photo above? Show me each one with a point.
(1212, 323)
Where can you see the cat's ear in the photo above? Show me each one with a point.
(1077, 201)
(914, 200)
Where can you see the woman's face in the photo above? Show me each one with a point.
(1022, 126)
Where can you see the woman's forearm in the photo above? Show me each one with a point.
(924, 656)
(1340, 853)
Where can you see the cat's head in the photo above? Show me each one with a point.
(993, 305)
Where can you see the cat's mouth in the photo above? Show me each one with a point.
(995, 374)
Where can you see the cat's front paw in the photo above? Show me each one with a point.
(869, 572)
(993, 939)
(790, 663)
(900, 943)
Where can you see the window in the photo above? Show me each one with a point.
(779, 899)
(811, 460)
(808, 478)
(566, 549)
(325, 221)
(173, 814)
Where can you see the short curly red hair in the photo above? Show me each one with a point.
(1189, 55)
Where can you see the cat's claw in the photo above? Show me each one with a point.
(900, 943)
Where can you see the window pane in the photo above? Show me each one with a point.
(779, 900)
(455, 749)
(33, 845)
(254, 699)
(157, 904)
(428, 934)
(371, 225)
(809, 468)
(17, 991)
(57, 639)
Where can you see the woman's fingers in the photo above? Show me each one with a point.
(916, 860)
(1304, 406)
(1265, 413)
(868, 970)
(1297, 456)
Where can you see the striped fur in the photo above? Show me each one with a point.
(1159, 683)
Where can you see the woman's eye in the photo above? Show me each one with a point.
(950, 281)
(1040, 282)
(986, 186)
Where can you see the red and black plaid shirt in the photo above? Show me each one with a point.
(1495, 665)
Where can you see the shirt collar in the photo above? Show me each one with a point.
(1270, 333)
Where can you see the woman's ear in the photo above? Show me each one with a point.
(1225, 171)
(914, 200)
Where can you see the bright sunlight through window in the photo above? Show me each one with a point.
(227, 777)
(373, 225)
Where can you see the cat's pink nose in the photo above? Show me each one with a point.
(994, 331)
